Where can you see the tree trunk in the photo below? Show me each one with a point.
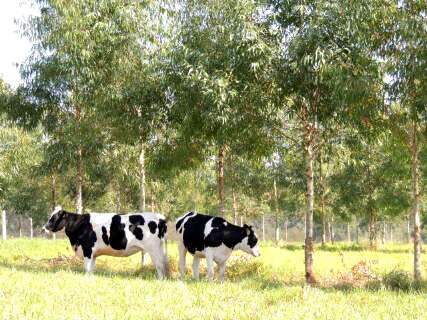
(328, 230)
(286, 229)
(263, 226)
(276, 212)
(235, 214)
(79, 196)
(408, 228)
(31, 228)
(79, 159)
(241, 220)
(348, 233)
(322, 200)
(357, 233)
(20, 226)
(332, 230)
(4, 225)
(220, 178)
(372, 229)
(53, 198)
(142, 178)
(308, 248)
(391, 233)
(416, 203)
(384, 232)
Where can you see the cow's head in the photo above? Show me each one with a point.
(56, 221)
(250, 242)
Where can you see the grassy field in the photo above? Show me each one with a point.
(39, 279)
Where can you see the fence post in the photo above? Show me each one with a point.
(3, 224)
(31, 228)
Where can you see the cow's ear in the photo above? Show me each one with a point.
(245, 226)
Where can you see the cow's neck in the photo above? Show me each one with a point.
(74, 222)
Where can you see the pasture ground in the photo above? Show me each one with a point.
(39, 279)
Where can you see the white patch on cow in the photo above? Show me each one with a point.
(208, 228)
(181, 228)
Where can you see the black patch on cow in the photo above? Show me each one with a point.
(180, 221)
(137, 231)
(80, 232)
(153, 226)
(105, 236)
(118, 238)
(162, 228)
(137, 220)
(223, 232)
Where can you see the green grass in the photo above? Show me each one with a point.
(40, 280)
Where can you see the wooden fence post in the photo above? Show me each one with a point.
(3, 224)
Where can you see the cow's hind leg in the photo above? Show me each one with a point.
(209, 264)
(182, 255)
(159, 262)
(196, 263)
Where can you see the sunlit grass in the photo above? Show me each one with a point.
(39, 279)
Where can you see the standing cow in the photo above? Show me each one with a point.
(212, 238)
(95, 234)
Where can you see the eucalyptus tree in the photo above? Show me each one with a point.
(219, 70)
(406, 52)
(327, 78)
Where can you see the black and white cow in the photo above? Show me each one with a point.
(95, 234)
(212, 238)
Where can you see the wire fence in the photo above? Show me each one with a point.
(289, 230)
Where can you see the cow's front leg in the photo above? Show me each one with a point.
(221, 267)
(89, 264)
(144, 258)
(182, 255)
(196, 263)
(210, 264)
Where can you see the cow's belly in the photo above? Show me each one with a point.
(108, 251)
(220, 254)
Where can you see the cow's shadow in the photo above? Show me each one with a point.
(146, 272)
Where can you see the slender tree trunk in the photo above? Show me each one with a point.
(391, 233)
(408, 228)
(372, 229)
(53, 197)
(308, 248)
(348, 233)
(20, 226)
(3, 225)
(235, 213)
(79, 175)
(31, 228)
(142, 178)
(357, 233)
(332, 230)
(220, 178)
(263, 226)
(384, 232)
(79, 196)
(276, 212)
(328, 230)
(241, 220)
(416, 202)
(286, 229)
(322, 199)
